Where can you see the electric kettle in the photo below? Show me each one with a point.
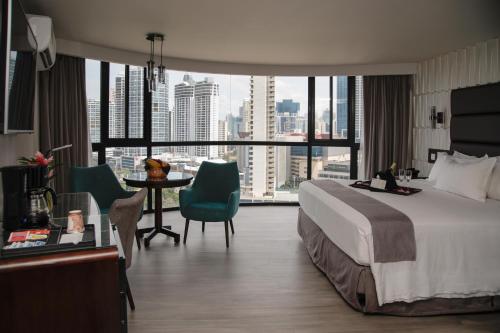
(41, 201)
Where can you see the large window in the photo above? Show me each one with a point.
(116, 102)
(93, 88)
(261, 122)
(331, 108)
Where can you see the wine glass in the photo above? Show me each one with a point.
(401, 175)
(409, 174)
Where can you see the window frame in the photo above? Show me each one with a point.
(146, 140)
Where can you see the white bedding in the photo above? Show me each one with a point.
(458, 242)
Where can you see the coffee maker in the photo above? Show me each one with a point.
(25, 194)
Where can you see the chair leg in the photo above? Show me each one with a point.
(138, 238)
(186, 231)
(232, 228)
(203, 227)
(227, 236)
(129, 295)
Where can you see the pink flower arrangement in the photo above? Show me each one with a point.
(46, 160)
(41, 160)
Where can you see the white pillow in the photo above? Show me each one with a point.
(494, 188)
(437, 167)
(466, 179)
(458, 154)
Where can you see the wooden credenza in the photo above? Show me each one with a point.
(68, 291)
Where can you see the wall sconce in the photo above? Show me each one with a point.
(436, 117)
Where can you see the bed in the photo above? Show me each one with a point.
(457, 264)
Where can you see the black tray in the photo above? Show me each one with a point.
(400, 190)
(52, 245)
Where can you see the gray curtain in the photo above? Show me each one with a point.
(387, 122)
(63, 116)
(21, 94)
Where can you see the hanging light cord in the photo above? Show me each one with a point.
(161, 53)
(153, 52)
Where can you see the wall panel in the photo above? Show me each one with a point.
(433, 82)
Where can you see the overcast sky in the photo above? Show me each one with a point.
(233, 88)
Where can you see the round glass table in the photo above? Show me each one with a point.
(174, 179)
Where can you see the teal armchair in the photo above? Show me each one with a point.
(101, 182)
(213, 197)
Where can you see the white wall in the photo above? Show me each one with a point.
(13, 146)
(433, 82)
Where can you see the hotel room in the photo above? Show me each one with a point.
(243, 166)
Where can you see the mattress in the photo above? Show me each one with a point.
(456, 238)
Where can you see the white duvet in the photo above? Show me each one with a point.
(458, 242)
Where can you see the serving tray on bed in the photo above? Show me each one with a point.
(400, 190)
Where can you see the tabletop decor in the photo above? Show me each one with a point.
(46, 161)
(156, 168)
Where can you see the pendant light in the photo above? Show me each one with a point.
(160, 76)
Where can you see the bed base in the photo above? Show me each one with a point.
(355, 282)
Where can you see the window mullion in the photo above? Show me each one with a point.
(311, 119)
(127, 94)
(147, 105)
(331, 108)
(104, 104)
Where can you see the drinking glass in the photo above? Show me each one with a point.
(408, 177)
(401, 175)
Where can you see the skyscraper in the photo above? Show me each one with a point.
(206, 110)
(135, 102)
(184, 112)
(161, 116)
(196, 115)
(135, 113)
(222, 137)
(94, 117)
(234, 126)
(287, 106)
(239, 126)
(286, 116)
(359, 111)
(262, 128)
(117, 112)
(245, 115)
(341, 106)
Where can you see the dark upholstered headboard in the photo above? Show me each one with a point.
(475, 120)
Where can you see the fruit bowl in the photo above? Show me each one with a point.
(156, 174)
(156, 169)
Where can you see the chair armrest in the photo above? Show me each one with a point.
(124, 194)
(186, 197)
(233, 203)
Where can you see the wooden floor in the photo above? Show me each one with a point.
(265, 282)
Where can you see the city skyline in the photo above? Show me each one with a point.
(233, 88)
(163, 116)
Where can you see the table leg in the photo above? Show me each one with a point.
(149, 237)
(172, 234)
(143, 231)
(159, 228)
(158, 209)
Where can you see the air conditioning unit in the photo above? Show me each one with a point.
(45, 40)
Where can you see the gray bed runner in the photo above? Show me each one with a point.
(393, 233)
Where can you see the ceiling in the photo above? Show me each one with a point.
(279, 32)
